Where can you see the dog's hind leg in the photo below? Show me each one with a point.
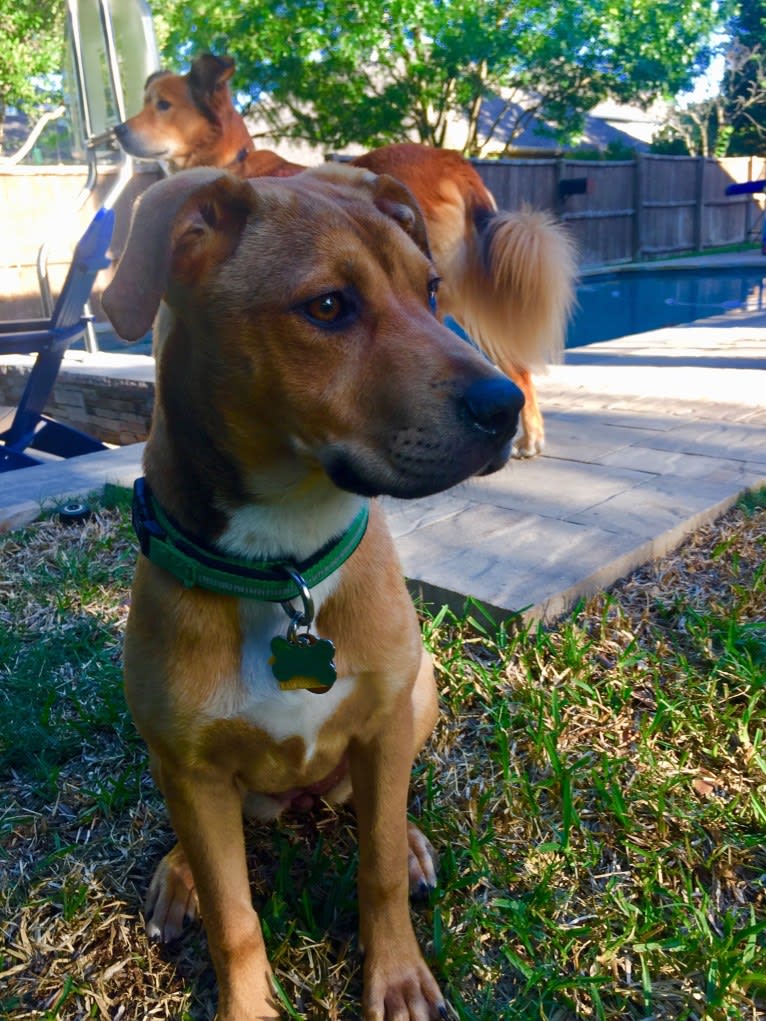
(171, 903)
(422, 860)
(530, 439)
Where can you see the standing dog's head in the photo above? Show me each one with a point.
(187, 119)
(303, 343)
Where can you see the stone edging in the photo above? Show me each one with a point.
(112, 410)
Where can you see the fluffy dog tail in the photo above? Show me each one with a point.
(513, 287)
(507, 277)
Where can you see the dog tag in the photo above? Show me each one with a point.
(306, 663)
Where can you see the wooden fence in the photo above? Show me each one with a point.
(652, 206)
(638, 209)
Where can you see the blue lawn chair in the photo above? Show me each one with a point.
(50, 338)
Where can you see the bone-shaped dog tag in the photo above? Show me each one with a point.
(306, 663)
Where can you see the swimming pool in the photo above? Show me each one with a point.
(617, 304)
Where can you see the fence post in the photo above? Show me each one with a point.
(558, 203)
(699, 194)
(639, 167)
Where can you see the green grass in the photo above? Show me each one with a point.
(596, 791)
(621, 839)
(733, 249)
(61, 666)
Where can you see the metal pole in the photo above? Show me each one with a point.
(113, 66)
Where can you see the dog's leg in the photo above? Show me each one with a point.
(206, 812)
(171, 903)
(397, 981)
(531, 438)
(422, 862)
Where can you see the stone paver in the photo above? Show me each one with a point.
(25, 493)
(648, 438)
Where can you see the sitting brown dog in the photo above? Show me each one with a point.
(272, 653)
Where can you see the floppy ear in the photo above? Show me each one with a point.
(207, 80)
(395, 200)
(180, 226)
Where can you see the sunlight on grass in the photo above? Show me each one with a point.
(596, 791)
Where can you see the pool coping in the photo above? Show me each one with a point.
(724, 260)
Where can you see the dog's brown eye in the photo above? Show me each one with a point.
(328, 308)
(433, 287)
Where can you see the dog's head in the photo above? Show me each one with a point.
(184, 116)
(303, 341)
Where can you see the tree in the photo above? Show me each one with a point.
(744, 82)
(31, 48)
(731, 119)
(701, 128)
(332, 72)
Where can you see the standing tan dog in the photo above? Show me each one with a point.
(272, 652)
(506, 276)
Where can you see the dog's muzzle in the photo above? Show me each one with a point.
(420, 458)
(135, 146)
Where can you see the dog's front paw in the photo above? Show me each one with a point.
(171, 903)
(421, 862)
(399, 987)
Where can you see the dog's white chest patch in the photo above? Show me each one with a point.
(282, 714)
(259, 531)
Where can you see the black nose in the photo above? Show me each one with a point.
(494, 405)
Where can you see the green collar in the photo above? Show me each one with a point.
(194, 565)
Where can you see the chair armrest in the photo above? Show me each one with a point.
(24, 325)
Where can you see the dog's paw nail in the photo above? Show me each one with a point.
(423, 890)
(443, 1011)
(153, 933)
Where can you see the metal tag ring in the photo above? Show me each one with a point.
(298, 618)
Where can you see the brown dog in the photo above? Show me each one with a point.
(303, 372)
(506, 277)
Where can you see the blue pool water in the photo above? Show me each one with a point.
(617, 304)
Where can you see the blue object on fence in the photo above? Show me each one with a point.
(746, 188)
(750, 188)
(50, 338)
